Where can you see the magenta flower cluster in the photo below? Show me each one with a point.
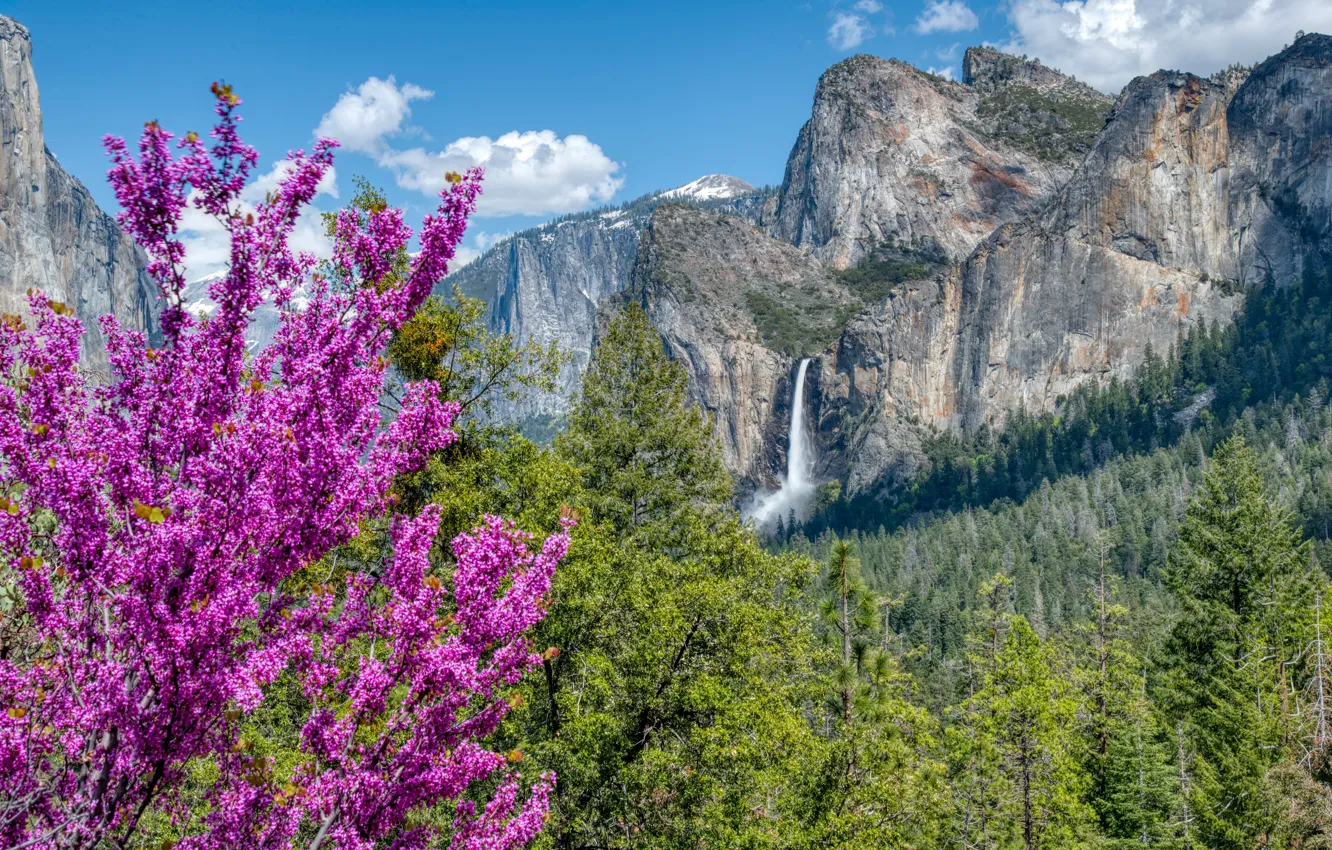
(157, 522)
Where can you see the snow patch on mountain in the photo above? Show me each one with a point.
(711, 187)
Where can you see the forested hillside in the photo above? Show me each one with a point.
(1131, 657)
(1164, 537)
(1276, 352)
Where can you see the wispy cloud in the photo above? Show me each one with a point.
(848, 31)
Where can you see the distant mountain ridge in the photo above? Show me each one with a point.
(710, 187)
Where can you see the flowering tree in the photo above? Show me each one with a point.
(161, 528)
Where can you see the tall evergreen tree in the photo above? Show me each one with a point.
(873, 781)
(1132, 785)
(680, 657)
(1034, 726)
(1240, 572)
(979, 787)
(648, 457)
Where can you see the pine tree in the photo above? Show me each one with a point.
(1034, 715)
(1240, 573)
(648, 457)
(1012, 752)
(851, 611)
(1140, 796)
(978, 786)
(1131, 781)
(874, 783)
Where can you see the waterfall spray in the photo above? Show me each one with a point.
(797, 486)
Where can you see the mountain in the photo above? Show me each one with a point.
(54, 237)
(1191, 192)
(1187, 191)
(948, 252)
(545, 284)
(892, 153)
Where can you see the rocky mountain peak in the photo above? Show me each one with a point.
(1280, 120)
(1315, 47)
(892, 154)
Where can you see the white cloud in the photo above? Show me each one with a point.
(945, 72)
(207, 246)
(462, 256)
(949, 53)
(946, 16)
(530, 173)
(1109, 42)
(848, 31)
(869, 7)
(361, 119)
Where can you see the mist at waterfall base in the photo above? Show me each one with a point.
(798, 484)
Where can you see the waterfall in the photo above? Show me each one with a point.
(797, 442)
(797, 486)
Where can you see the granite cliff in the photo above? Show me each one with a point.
(1192, 190)
(52, 234)
(893, 154)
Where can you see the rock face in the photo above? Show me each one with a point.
(892, 154)
(1280, 123)
(1123, 258)
(545, 284)
(711, 284)
(52, 235)
(1186, 194)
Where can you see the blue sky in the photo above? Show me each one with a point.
(634, 96)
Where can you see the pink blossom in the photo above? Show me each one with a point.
(156, 522)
